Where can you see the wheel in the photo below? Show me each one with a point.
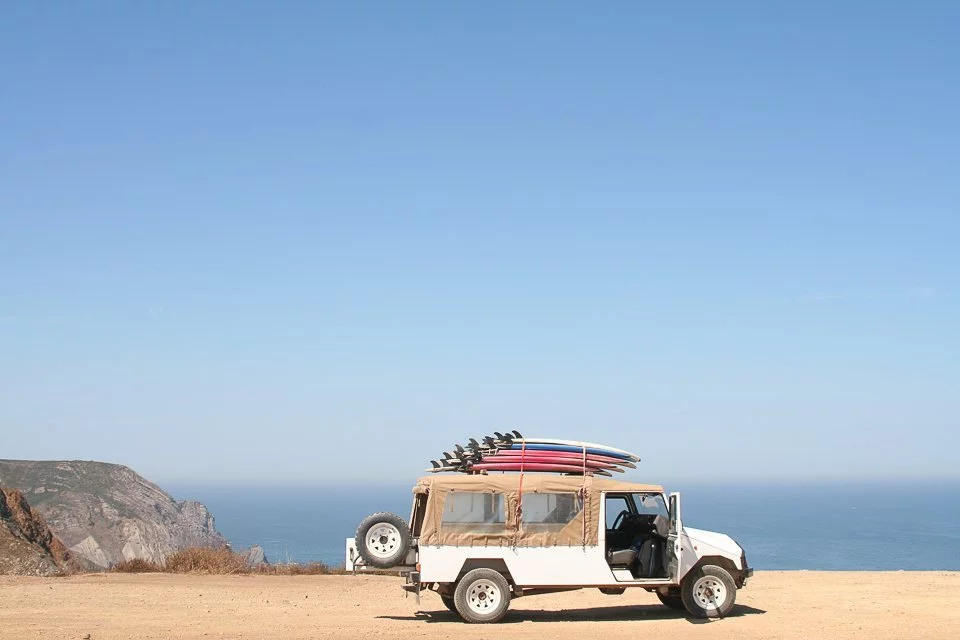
(671, 599)
(449, 603)
(383, 540)
(708, 592)
(612, 591)
(482, 595)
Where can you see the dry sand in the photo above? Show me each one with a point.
(796, 604)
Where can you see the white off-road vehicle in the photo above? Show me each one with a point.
(480, 540)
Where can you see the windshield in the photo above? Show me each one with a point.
(651, 504)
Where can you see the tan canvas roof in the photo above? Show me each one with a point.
(581, 530)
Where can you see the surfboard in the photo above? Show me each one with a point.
(576, 443)
(599, 451)
(548, 459)
(535, 466)
(570, 456)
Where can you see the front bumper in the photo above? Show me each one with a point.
(747, 570)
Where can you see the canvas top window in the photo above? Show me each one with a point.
(549, 511)
(470, 511)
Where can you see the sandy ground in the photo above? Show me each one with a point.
(796, 604)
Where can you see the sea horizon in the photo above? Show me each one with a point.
(880, 525)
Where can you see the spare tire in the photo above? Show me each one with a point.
(383, 540)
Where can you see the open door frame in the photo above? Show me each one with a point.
(675, 549)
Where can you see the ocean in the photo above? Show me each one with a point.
(881, 526)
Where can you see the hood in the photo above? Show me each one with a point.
(719, 541)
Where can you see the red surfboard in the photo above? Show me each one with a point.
(512, 454)
(534, 466)
(549, 459)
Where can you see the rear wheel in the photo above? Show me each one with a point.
(709, 592)
(482, 596)
(672, 599)
(449, 603)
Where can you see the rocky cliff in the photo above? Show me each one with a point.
(107, 513)
(27, 547)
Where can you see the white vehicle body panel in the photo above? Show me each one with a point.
(698, 543)
(528, 566)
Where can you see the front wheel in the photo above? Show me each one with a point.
(482, 596)
(708, 592)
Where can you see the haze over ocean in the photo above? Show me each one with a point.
(879, 526)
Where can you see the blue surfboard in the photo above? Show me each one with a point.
(566, 447)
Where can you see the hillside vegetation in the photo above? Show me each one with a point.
(206, 561)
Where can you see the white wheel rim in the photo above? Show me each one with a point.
(383, 540)
(710, 593)
(483, 596)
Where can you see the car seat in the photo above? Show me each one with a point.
(622, 557)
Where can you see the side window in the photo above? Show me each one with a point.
(614, 506)
(469, 511)
(651, 504)
(418, 512)
(549, 511)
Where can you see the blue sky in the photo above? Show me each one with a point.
(283, 242)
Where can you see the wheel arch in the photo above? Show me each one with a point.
(720, 561)
(497, 564)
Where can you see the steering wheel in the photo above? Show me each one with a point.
(621, 518)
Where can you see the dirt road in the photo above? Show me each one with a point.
(797, 604)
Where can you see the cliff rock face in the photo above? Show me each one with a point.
(254, 556)
(106, 513)
(27, 547)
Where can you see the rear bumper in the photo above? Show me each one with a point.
(413, 584)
